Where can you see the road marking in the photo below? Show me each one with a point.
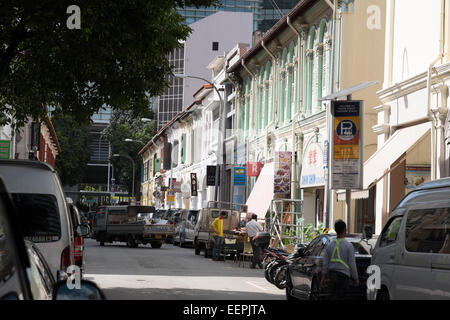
(256, 286)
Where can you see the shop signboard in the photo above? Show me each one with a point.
(282, 175)
(313, 174)
(211, 176)
(253, 169)
(194, 184)
(239, 176)
(346, 169)
(5, 149)
(416, 175)
(170, 196)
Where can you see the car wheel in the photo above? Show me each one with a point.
(383, 294)
(182, 240)
(156, 245)
(130, 242)
(315, 290)
(289, 287)
(197, 248)
(206, 252)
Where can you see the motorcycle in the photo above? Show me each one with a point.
(275, 271)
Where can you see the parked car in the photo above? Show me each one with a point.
(234, 238)
(303, 274)
(127, 224)
(24, 273)
(42, 208)
(185, 230)
(80, 230)
(413, 249)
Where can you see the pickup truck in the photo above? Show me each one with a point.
(234, 238)
(126, 224)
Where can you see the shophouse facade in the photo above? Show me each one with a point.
(284, 78)
(412, 127)
(185, 147)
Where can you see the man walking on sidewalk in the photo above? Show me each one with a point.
(253, 227)
(339, 263)
(217, 226)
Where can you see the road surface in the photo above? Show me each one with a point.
(171, 273)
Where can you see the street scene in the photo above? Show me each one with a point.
(255, 150)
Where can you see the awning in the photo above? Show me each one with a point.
(355, 194)
(262, 193)
(399, 143)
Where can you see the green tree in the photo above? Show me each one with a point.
(126, 124)
(75, 142)
(117, 57)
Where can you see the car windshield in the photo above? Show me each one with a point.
(359, 249)
(39, 216)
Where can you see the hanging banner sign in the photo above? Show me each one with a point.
(5, 147)
(194, 192)
(170, 195)
(313, 166)
(346, 153)
(211, 176)
(253, 169)
(282, 176)
(239, 176)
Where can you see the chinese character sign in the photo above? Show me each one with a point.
(347, 144)
(282, 176)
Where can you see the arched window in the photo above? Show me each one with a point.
(259, 113)
(310, 68)
(320, 69)
(267, 88)
(290, 81)
(282, 91)
(247, 96)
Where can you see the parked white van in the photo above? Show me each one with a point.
(43, 212)
(413, 250)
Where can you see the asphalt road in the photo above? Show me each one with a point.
(171, 273)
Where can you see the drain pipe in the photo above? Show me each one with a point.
(294, 118)
(429, 112)
(274, 93)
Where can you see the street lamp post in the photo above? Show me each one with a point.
(221, 129)
(132, 161)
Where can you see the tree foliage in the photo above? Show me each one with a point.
(126, 124)
(117, 58)
(75, 142)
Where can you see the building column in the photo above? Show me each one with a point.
(441, 116)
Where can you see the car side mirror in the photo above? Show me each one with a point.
(87, 290)
(82, 230)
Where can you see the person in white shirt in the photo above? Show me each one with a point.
(253, 227)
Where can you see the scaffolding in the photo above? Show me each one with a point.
(286, 222)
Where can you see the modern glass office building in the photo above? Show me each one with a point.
(265, 12)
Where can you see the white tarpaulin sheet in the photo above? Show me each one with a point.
(262, 193)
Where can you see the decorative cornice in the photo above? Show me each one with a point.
(382, 108)
(310, 53)
(381, 128)
(414, 84)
